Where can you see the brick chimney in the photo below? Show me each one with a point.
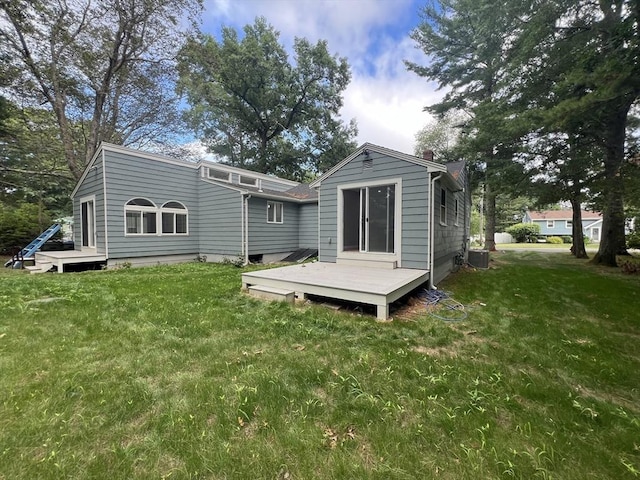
(427, 155)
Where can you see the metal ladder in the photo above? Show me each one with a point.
(30, 250)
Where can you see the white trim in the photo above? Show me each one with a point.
(456, 210)
(397, 227)
(552, 222)
(104, 196)
(211, 169)
(174, 211)
(568, 224)
(250, 173)
(275, 210)
(240, 182)
(257, 194)
(93, 227)
(141, 209)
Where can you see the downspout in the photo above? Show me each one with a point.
(432, 231)
(245, 253)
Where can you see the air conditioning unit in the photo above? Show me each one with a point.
(479, 258)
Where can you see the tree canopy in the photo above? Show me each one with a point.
(260, 110)
(564, 74)
(104, 69)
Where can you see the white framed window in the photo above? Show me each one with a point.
(443, 206)
(245, 180)
(569, 223)
(275, 211)
(175, 218)
(551, 223)
(456, 212)
(140, 217)
(219, 175)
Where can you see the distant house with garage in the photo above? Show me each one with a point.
(560, 223)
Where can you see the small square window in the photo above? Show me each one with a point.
(275, 212)
(569, 224)
(550, 224)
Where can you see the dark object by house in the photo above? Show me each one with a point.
(301, 255)
(479, 258)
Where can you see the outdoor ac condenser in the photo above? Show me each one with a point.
(479, 258)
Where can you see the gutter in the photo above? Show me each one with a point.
(245, 224)
(431, 231)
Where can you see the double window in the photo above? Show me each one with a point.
(274, 212)
(143, 217)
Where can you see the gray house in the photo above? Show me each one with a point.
(559, 223)
(387, 223)
(378, 210)
(139, 208)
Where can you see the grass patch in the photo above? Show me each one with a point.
(171, 372)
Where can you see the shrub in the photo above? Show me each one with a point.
(567, 239)
(20, 225)
(633, 240)
(630, 267)
(555, 240)
(587, 240)
(524, 232)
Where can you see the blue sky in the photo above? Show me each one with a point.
(386, 100)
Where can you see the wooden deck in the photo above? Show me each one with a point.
(66, 257)
(375, 286)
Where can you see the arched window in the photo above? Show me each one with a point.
(140, 217)
(175, 219)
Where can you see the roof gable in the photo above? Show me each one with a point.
(369, 147)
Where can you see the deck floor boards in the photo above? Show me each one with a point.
(376, 286)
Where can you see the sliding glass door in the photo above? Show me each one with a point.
(368, 219)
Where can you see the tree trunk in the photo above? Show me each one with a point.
(612, 241)
(490, 212)
(578, 249)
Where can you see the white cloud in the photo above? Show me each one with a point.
(386, 100)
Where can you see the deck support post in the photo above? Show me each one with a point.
(382, 311)
(301, 296)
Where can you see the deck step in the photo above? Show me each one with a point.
(271, 293)
(40, 267)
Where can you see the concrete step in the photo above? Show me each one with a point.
(271, 293)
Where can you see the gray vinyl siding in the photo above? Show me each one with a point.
(220, 220)
(449, 239)
(308, 225)
(265, 238)
(415, 202)
(131, 176)
(91, 185)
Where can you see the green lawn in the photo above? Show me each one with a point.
(171, 372)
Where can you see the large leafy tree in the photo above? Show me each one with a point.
(259, 109)
(104, 68)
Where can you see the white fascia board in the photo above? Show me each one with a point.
(96, 155)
